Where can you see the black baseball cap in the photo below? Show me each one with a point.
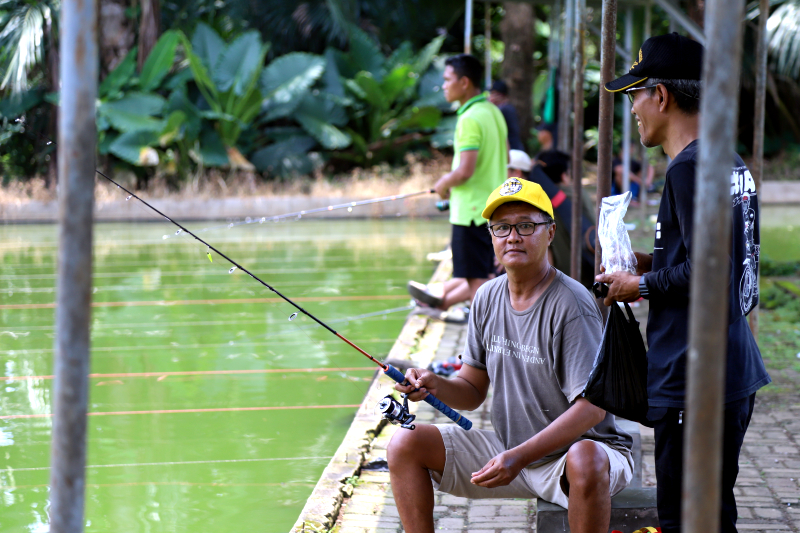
(500, 87)
(671, 57)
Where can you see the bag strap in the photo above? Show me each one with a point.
(631, 319)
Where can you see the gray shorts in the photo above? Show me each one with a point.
(469, 451)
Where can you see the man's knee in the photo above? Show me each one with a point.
(587, 466)
(421, 447)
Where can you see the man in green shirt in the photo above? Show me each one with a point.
(479, 167)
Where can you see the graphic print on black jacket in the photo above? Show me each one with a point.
(668, 283)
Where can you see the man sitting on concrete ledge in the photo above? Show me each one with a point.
(533, 334)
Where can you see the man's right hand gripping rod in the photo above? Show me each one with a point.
(430, 399)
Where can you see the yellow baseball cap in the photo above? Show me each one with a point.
(518, 190)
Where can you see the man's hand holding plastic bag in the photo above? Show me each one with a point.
(621, 267)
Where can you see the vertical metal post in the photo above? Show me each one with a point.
(626, 110)
(576, 243)
(608, 42)
(77, 136)
(487, 39)
(468, 27)
(648, 17)
(565, 79)
(757, 169)
(554, 43)
(708, 309)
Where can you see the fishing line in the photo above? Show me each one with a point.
(300, 214)
(319, 345)
(388, 369)
(99, 326)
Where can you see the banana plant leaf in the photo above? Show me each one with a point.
(332, 78)
(178, 101)
(286, 158)
(206, 45)
(288, 77)
(399, 81)
(17, 104)
(135, 147)
(127, 122)
(427, 54)
(368, 89)
(112, 85)
(403, 55)
(173, 128)
(313, 114)
(430, 90)
(365, 53)
(212, 150)
(137, 103)
(160, 61)
(419, 118)
(239, 63)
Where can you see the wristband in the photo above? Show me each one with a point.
(643, 290)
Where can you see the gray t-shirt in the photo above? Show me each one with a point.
(538, 360)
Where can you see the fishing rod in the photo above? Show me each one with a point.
(300, 214)
(389, 407)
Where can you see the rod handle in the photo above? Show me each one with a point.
(431, 400)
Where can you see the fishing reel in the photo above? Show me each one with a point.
(395, 412)
(443, 205)
(600, 290)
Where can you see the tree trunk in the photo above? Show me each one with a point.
(149, 29)
(516, 30)
(116, 34)
(53, 83)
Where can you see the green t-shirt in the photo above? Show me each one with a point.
(480, 127)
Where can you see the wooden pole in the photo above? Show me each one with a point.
(608, 43)
(565, 79)
(468, 27)
(757, 169)
(708, 308)
(77, 138)
(487, 39)
(576, 242)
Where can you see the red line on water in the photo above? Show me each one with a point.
(220, 301)
(167, 483)
(202, 373)
(179, 411)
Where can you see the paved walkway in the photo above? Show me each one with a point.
(767, 489)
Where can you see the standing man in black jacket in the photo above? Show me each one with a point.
(664, 88)
(498, 95)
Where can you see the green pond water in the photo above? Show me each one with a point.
(780, 232)
(179, 439)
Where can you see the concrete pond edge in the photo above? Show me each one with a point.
(255, 207)
(417, 342)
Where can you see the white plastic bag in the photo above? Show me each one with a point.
(617, 253)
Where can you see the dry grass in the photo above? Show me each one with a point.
(416, 175)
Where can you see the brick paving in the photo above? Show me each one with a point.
(768, 487)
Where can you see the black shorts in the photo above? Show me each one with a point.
(473, 254)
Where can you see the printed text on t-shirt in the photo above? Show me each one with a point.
(511, 348)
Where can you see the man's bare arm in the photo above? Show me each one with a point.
(464, 171)
(466, 391)
(564, 430)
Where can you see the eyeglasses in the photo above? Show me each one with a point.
(523, 228)
(630, 94)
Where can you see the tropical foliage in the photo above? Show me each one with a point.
(340, 83)
(202, 101)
